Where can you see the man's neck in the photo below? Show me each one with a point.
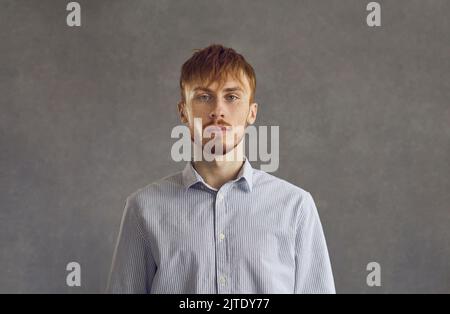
(218, 172)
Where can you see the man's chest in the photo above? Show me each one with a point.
(235, 230)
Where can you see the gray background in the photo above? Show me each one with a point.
(86, 116)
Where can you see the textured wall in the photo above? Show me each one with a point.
(364, 117)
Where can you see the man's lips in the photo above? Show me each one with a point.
(222, 128)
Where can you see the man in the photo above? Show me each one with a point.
(220, 226)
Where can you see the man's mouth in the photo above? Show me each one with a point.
(221, 128)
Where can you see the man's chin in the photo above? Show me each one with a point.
(225, 150)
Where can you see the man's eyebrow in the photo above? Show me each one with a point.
(227, 90)
(233, 89)
(205, 89)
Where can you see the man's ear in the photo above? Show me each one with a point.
(182, 111)
(251, 117)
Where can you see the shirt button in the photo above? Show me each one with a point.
(221, 236)
(219, 197)
(222, 280)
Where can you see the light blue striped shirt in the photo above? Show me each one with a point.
(256, 234)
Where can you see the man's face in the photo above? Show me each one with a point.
(224, 110)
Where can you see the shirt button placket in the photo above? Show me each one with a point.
(222, 267)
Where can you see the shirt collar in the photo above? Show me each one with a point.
(190, 176)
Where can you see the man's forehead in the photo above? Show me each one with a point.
(230, 84)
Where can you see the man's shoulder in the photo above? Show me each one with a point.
(269, 181)
(286, 193)
(164, 187)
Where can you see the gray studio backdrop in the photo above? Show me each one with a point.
(86, 115)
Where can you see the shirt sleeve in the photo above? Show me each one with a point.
(133, 266)
(313, 272)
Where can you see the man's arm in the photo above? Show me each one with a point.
(313, 272)
(133, 266)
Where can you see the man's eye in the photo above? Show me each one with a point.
(204, 97)
(232, 97)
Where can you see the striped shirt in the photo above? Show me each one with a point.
(256, 234)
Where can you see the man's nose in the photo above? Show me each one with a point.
(218, 110)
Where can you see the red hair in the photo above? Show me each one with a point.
(215, 63)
